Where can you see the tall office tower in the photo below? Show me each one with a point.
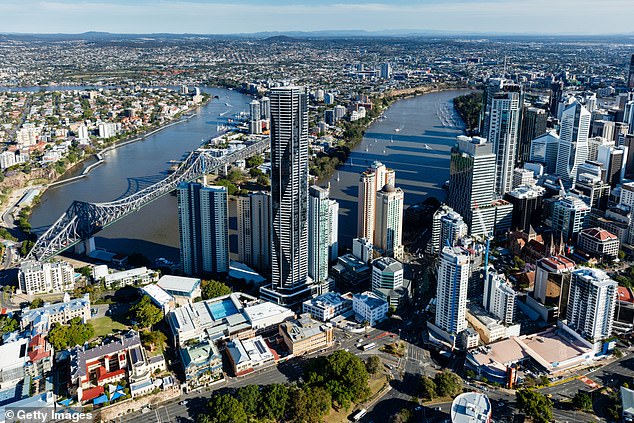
(621, 129)
(333, 230)
(556, 91)
(388, 229)
(573, 143)
(591, 184)
(630, 82)
(447, 228)
(570, 216)
(254, 230)
(265, 108)
(614, 161)
(566, 100)
(386, 71)
(552, 284)
(387, 281)
(523, 177)
(628, 116)
(533, 126)
(255, 122)
(593, 146)
(493, 86)
(471, 178)
(289, 197)
(451, 291)
(527, 207)
(544, 150)
(366, 206)
(592, 304)
(504, 128)
(203, 228)
(499, 297)
(340, 112)
(590, 101)
(318, 233)
(329, 98)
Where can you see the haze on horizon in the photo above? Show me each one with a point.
(586, 17)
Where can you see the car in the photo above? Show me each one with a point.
(438, 408)
(360, 340)
(183, 402)
(145, 410)
(418, 408)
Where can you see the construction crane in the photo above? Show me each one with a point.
(487, 235)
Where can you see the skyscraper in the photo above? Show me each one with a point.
(533, 125)
(504, 128)
(318, 233)
(556, 91)
(255, 123)
(333, 213)
(389, 221)
(289, 197)
(573, 143)
(544, 150)
(493, 86)
(386, 71)
(570, 216)
(203, 228)
(265, 108)
(371, 181)
(254, 230)
(447, 228)
(499, 297)
(451, 291)
(592, 304)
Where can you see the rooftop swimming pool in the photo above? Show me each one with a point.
(222, 309)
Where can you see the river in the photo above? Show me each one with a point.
(414, 138)
(153, 230)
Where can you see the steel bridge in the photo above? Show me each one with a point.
(82, 220)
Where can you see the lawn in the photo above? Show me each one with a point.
(105, 325)
(375, 384)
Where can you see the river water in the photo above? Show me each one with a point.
(414, 138)
(153, 230)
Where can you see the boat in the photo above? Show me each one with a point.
(397, 129)
(383, 151)
(227, 104)
(427, 147)
(366, 148)
(337, 176)
(391, 139)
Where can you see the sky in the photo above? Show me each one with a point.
(247, 16)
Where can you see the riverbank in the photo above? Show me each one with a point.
(15, 194)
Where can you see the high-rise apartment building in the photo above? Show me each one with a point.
(265, 108)
(203, 228)
(318, 233)
(255, 122)
(289, 197)
(573, 142)
(35, 277)
(370, 182)
(614, 161)
(533, 126)
(254, 230)
(503, 134)
(552, 284)
(499, 297)
(389, 221)
(451, 292)
(386, 71)
(333, 221)
(592, 304)
(447, 228)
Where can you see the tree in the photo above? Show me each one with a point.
(264, 181)
(427, 388)
(224, 409)
(145, 313)
(373, 364)
(274, 401)
(254, 161)
(250, 398)
(535, 405)
(342, 374)
(153, 339)
(309, 405)
(403, 416)
(36, 303)
(85, 271)
(582, 401)
(448, 384)
(8, 324)
(213, 289)
(75, 333)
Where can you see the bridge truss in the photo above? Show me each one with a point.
(82, 220)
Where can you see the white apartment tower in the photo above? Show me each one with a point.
(389, 221)
(451, 293)
(592, 303)
(499, 297)
(35, 277)
(318, 233)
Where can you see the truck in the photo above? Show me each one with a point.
(369, 346)
(359, 415)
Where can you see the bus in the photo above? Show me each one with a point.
(359, 414)
(368, 346)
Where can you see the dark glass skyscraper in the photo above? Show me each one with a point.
(289, 197)
(630, 81)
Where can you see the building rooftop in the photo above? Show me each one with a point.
(32, 315)
(625, 294)
(78, 365)
(329, 299)
(370, 299)
(599, 234)
(304, 327)
(388, 264)
(527, 192)
(139, 271)
(178, 284)
(557, 264)
(14, 354)
(199, 353)
(627, 400)
(158, 295)
(596, 276)
(471, 407)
